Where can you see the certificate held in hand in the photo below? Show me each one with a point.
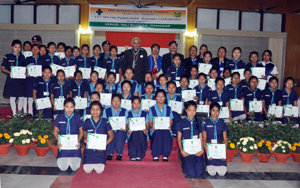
(34, 70)
(117, 123)
(193, 83)
(105, 99)
(211, 83)
(162, 123)
(261, 84)
(258, 71)
(43, 103)
(18, 72)
(241, 71)
(203, 109)
(176, 106)
(55, 68)
(275, 110)
(68, 142)
(216, 151)
(80, 103)
(69, 71)
(137, 124)
(101, 72)
(147, 103)
(96, 141)
(192, 146)
(188, 95)
(255, 106)
(236, 105)
(291, 111)
(224, 113)
(126, 104)
(86, 72)
(59, 104)
(203, 67)
(227, 81)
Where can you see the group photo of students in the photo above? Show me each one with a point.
(132, 97)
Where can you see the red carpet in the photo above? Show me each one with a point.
(6, 111)
(126, 173)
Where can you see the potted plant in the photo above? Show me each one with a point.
(22, 141)
(54, 147)
(264, 151)
(247, 147)
(230, 151)
(296, 152)
(5, 143)
(41, 146)
(40, 126)
(282, 151)
(234, 133)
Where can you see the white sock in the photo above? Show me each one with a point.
(88, 168)
(99, 168)
(221, 170)
(63, 163)
(211, 170)
(25, 105)
(74, 163)
(20, 103)
(12, 101)
(30, 101)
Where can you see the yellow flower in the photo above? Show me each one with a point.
(270, 148)
(36, 139)
(232, 145)
(262, 141)
(46, 136)
(39, 137)
(298, 144)
(294, 148)
(1, 135)
(6, 136)
(259, 144)
(229, 141)
(43, 141)
(268, 143)
(295, 144)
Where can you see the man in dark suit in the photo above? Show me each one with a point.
(220, 61)
(137, 59)
(105, 47)
(167, 58)
(193, 59)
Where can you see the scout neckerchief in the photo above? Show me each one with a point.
(95, 128)
(114, 112)
(127, 97)
(135, 114)
(61, 88)
(17, 58)
(68, 61)
(194, 60)
(152, 58)
(135, 57)
(106, 55)
(288, 98)
(110, 88)
(36, 59)
(51, 56)
(176, 69)
(253, 65)
(113, 62)
(220, 95)
(215, 128)
(161, 109)
(235, 90)
(92, 86)
(47, 85)
(192, 127)
(273, 93)
(68, 123)
(79, 94)
(253, 91)
(235, 61)
(84, 61)
(96, 64)
(201, 90)
(173, 98)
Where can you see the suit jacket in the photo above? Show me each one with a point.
(216, 62)
(167, 61)
(141, 67)
(187, 64)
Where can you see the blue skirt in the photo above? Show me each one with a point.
(214, 162)
(29, 86)
(69, 153)
(193, 166)
(14, 87)
(258, 117)
(94, 156)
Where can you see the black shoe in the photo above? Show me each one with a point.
(155, 159)
(109, 157)
(119, 158)
(165, 159)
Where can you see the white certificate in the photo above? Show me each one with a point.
(224, 113)
(203, 67)
(86, 72)
(255, 106)
(188, 95)
(241, 71)
(68, 142)
(291, 111)
(126, 104)
(261, 84)
(203, 109)
(96, 141)
(117, 78)
(60, 55)
(275, 110)
(137, 124)
(236, 105)
(193, 83)
(43, 103)
(227, 81)
(101, 72)
(105, 99)
(176, 106)
(59, 104)
(55, 68)
(177, 84)
(162, 123)
(147, 103)
(27, 54)
(216, 151)
(211, 83)
(192, 146)
(258, 71)
(80, 103)
(18, 72)
(34, 70)
(117, 123)
(69, 71)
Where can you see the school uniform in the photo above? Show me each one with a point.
(59, 90)
(250, 65)
(91, 89)
(137, 141)
(42, 89)
(50, 59)
(161, 140)
(110, 89)
(86, 113)
(160, 87)
(104, 56)
(187, 63)
(219, 65)
(120, 136)
(61, 122)
(202, 93)
(179, 90)
(31, 80)
(271, 98)
(141, 88)
(145, 96)
(92, 156)
(13, 87)
(233, 65)
(244, 83)
(96, 62)
(175, 72)
(191, 165)
(176, 116)
(83, 62)
(134, 87)
(289, 99)
(167, 61)
(66, 62)
(78, 90)
(235, 93)
(214, 130)
(214, 97)
(112, 65)
(128, 98)
(250, 95)
(271, 68)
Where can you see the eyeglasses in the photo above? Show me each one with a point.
(155, 48)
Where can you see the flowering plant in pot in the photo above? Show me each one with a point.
(54, 146)
(22, 141)
(247, 147)
(264, 151)
(282, 151)
(5, 143)
(296, 152)
(41, 146)
(231, 150)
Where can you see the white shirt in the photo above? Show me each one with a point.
(274, 71)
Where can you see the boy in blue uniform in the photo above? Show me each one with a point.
(110, 86)
(202, 90)
(214, 130)
(14, 59)
(184, 82)
(236, 62)
(161, 140)
(95, 159)
(126, 88)
(176, 70)
(68, 123)
(137, 141)
(148, 78)
(190, 128)
(113, 63)
(129, 73)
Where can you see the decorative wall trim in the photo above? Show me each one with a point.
(38, 27)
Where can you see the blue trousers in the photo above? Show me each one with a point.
(161, 143)
(137, 144)
(117, 143)
(285, 120)
(193, 165)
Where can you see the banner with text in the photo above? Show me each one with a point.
(126, 17)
